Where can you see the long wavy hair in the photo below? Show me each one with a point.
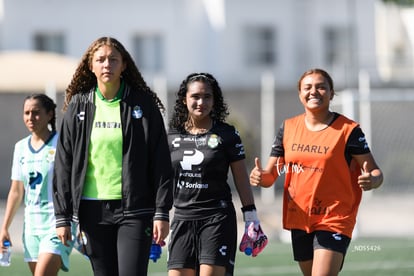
(84, 79)
(180, 113)
(48, 104)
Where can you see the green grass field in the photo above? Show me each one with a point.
(368, 257)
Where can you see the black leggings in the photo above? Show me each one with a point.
(115, 245)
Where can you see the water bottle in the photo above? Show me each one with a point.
(246, 245)
(5, 254)
(79, 243)
(155, 252)
(249, 249)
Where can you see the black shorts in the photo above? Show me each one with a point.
(206, 241)
(304, 244)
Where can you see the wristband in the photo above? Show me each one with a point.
(250, 207)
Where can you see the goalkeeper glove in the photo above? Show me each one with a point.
(254, 240)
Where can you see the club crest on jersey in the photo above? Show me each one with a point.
(213, 141)
(51, 155)
(137, 112)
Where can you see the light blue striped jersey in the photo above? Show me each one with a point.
(35, 169)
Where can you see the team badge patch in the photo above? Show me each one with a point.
(51, 155)
(213, 141)
(137, 112)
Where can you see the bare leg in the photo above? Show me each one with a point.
(212, 270)
(306, 267)
(48, 264)
(326, 262)
(32, 266)
(181, 272)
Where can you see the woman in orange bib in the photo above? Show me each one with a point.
(327, 164)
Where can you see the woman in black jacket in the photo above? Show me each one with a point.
(113, 165)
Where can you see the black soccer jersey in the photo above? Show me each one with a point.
(201, 166)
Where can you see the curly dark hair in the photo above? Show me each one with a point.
(84, 79)
(180, 112)
(47, 103)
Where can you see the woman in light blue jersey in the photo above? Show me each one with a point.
(31, 180)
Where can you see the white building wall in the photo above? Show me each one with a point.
(192, 43)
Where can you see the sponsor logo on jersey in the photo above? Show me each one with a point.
(191, 158)
(200, 141)
(318, 208)
(180, 184)
(81, 115)
(175, 143)
(241, 149)
(223, 250)
(362, 140)
(35, 178)
(100, 124)
(318, 149)
(190, 174)
(337, 236)
(188, 185)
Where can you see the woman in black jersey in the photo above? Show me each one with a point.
(203, 147)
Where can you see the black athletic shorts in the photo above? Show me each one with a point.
(206, 241)
(304, 244)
